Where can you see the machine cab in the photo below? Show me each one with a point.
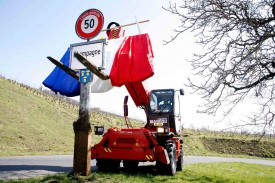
(163, 112)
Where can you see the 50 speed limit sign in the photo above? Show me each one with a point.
(89, 24)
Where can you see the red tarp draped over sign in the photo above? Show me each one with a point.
(133, 61)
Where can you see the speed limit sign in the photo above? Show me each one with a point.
(89, 24)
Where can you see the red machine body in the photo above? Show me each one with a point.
(158, 141)
(129, 144)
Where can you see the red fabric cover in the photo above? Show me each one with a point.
(133, 61)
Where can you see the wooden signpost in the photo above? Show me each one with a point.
(88, 25)
(82, 127)
(82, 130)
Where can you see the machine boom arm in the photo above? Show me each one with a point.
(138, 93)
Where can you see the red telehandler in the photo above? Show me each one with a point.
(158, 141)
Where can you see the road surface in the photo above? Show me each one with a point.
(33, 166)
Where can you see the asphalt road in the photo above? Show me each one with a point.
(33, 166)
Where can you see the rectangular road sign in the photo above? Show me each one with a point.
(92, 51)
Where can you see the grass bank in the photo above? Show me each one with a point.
(35, 122)
(207, 143)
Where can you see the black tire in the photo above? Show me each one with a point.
(180, 160)
(168, 169)
(172, 166)
(130, 166)
(107, 165)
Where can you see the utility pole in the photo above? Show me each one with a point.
(82, 130)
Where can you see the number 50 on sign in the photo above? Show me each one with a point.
(89, 24)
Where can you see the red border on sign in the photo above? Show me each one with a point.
(86, 13)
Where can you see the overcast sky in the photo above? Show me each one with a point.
(31, 30)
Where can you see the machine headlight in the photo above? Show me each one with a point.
(160, 130)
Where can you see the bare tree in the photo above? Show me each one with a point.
(238, 56)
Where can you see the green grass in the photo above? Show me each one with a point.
(229, 172)
(201, 173)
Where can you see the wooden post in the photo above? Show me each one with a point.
(82, 130)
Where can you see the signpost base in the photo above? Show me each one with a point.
(82, 130)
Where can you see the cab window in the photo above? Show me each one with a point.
(161, 101)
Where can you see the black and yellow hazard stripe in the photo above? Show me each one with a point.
(107, 150)
(115, 33)
(149, 157)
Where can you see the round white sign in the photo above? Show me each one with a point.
(89, 24)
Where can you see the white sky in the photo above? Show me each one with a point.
(31, 30)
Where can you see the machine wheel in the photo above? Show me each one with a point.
(130, 165)
(169, 169)
(180, 160)
(171, 150)
(107, 165)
